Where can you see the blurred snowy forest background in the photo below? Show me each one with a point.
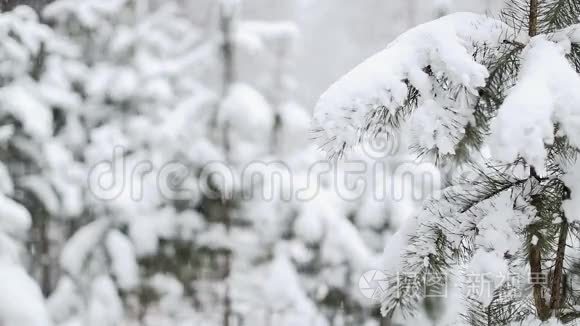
(176, 92)
(336, 35)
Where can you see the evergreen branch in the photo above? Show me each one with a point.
(486, 195)
(380, 120)
(569, 317)
(516, 14)
(501, 69)
(444, 237)
(504, 308)
(558, 14)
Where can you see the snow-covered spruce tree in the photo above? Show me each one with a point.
(35, 170)
(499, 99)
(137, 73)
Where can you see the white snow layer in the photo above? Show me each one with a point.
(123, 260)
(546, 93)
(572, 180)
(445, 45)
(14, 218)
(21, 302)
(81, 244)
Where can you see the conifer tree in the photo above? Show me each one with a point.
(129, 78)
(497, 99)
(35, 189)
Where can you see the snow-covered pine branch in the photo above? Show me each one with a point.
(430, 74)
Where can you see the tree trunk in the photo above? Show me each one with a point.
(558, 275)
(538, 282)
(535, 254)
(228, 78)
(533, 18)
